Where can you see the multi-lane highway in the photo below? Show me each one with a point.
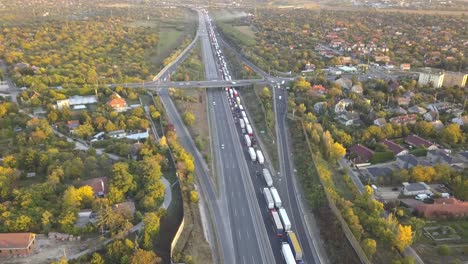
(214, 83)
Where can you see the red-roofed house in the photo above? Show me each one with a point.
(72, 124)
(416, 141)
(363, 154)
(404, 119)
(117, 102)
(395, 148)
(444, 208)
(16, 244)
(317, 89)
(100, 185)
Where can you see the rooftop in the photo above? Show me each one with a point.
(16, 240)
(417, 186)
(418, 141)
(394, 147)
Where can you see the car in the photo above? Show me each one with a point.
(222, 146)
(214, 103)
(279, 97)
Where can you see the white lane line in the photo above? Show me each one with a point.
(235, 212)
(238, 231)
(243, 259)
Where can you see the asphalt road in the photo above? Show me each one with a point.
(246, 224)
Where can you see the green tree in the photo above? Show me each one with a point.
(97, 259)
(144, 257)
(369, 246)
(189, 118)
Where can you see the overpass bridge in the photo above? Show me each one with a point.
(155, 85)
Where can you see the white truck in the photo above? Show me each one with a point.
(287, 253)
(242, 123)
(285, 219)
(231, 93)
(276, 197)
(252, 154)
(241, 107)
(267, 177)
(243, 114)
(260, 157)
(268, 198)
(246, 120)
(249, 129)
(278, 224)
(248, 142)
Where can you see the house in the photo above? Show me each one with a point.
(395, 148)
(430, 116)
(438, 125)
(117, 134)
(380, 122)
(407, 161)
(357, 88)
(76, 100)
(72, 124)
(341, 106)
(455, 79)
(462, 121)
(137, 136)
(99, 185)
(117, 102)
(16, 244)
(442, 156)
(399, 111)
(382, 58)
(349, 118)
(433, 77)
(410, 189)
(404, 119)
(317, 89)
(344, 83)
(417, 141)
(127, 209)
(443, 208)
(417, 110)
(439, 107)
(362, 154)
(403, 101)
(84, 217)
(319, 107)
(376, 172)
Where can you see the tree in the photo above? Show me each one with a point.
(121, 182)
(189, 118)
(452, 134)
(97, 259)
(84, 131)
(337, 152)
(443, 250)
(266, 94)
(403, 237)
(302, 108)
(424, 129)
(144, 257)
(301, 85)
(369, 246)
(194, 196)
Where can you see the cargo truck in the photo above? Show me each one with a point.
(248, 143)
(268, 198)
(267, 177)
(287, 253)
(241, 107)
(285, 219)
(276, 197)
(277, 221)
(252, 154)
(238, 100)
(242, 123)
(246, 120)
(243, 114)
(295, 246)
(249, 129)
(231, 93)
(260, 157)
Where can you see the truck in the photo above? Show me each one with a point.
(295, 246)
(236, 94)
(285, 219)
(231, 93)
(238, 100)
(241, 107)
(244, 115)
(260, 157)
(277, 221)
(249, 129)
(242, 123)
(267, 177)
(287, 253)
(268, 198)
(246, 120)
(252, 154)
(276, 197)
(248, 143)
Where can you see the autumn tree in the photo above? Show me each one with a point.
(144, 257)
(189, 118)
(403, 237)
(369, 246)
(452, 135)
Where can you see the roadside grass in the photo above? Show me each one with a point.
(192, 68)
(341, 186)
(266, 133)
(242, 34)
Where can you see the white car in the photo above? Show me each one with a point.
(214, 103)
(222, 146)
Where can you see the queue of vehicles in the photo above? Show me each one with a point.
(290, 247)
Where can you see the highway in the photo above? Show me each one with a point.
(249, 234)
(214, 83)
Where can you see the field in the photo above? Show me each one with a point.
(242, 34)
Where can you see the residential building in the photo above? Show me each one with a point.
(443, 156)
(137, 136)
(443, 208)
(72, 124)
(117, 102)
(99, 185)
(376, 172)
(410, 189)
(319, 107)
(455, 79)
(403, 101)
(439, 107)
(317, 89)
(417, 110)
(429, 76)
(340, 107)
(407, 161)
(417, 141)
(344, 83)
(380, 122)
(127, 209)
(16, 244)
(357, 88)
(395, 148)
(462, 121)
(403, 120)
(76, 100)
(117, 134)
(382, 58)
(361, 153)
(438, 125)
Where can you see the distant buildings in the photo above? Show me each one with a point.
(429, 76)
(443, 208)
(395, 148)
(404, 119)
(455, 79)
(405, 66)
(117, 102)
(416, 188)
(361, 153)
(76, 102)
